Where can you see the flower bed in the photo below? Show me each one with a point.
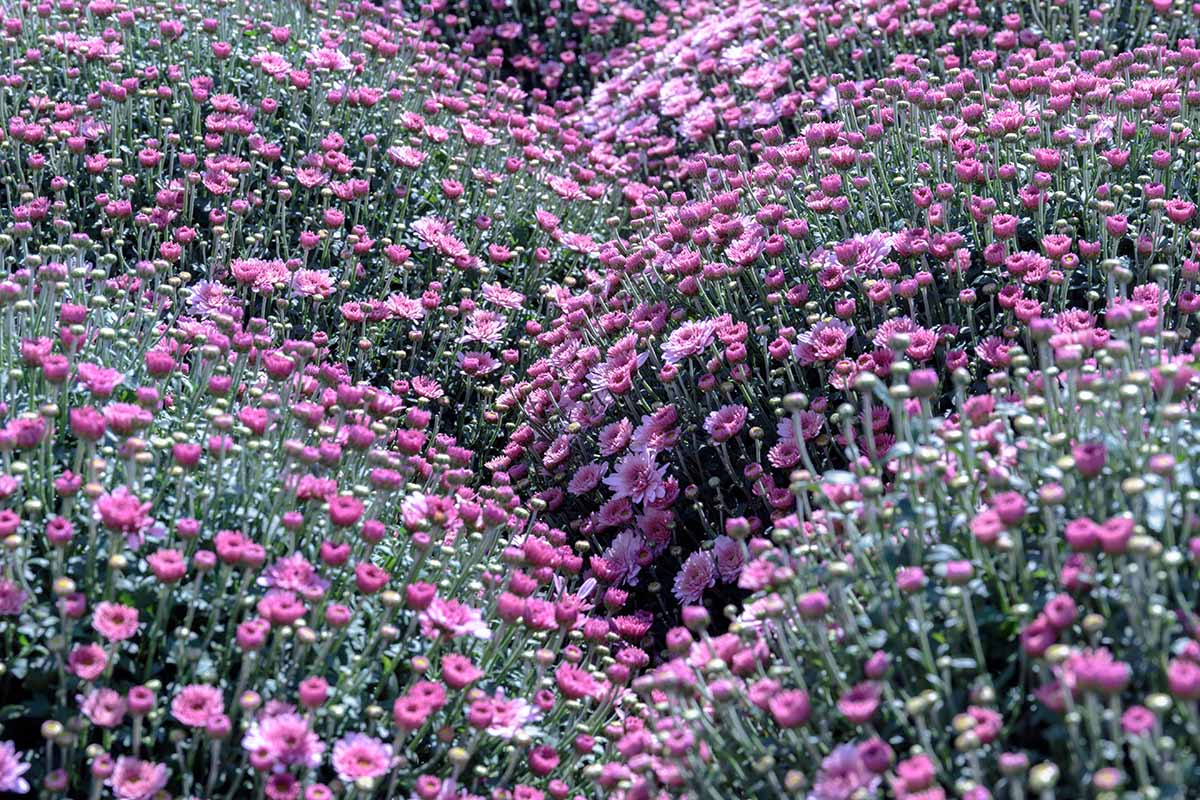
(782, 399)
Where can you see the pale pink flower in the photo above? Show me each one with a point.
(401, 307)
(484, 326)
(502, 297)
(12, 768)
(587, 478)
(359, 756)
(100, 381)
(122, 510)
(825, 341)
(258, 274)
(726, 422)
(623, 557)
(688, 340)
(638, 478)
(728, 555)
(511, 716)
(286, 738)
(134, 779)
(615, 437)
(312, 283)
(474, 362)
(451, 619)
(295, 574)
(104, 707)
(696, 575)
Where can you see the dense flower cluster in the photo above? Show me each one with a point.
(629, 400)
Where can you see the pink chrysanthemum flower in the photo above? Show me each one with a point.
(258, 274)
(729, 558)
(688, 340)
(615, 437)
(285, 739)
(105, 708)
(825, 341)
(844, 776)
(313, 283)
(451, 619)
(114, 621)
(587, 478)
(638, 478)
(12, 768)
(359, 756)
(195, 705)
(12, 598)
(134, 779)
(122, 510)
(511, 716)
(295, 574)
(726, 422)
(623, 557)
(401, 307)
(696, 575)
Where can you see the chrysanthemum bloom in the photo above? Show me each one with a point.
(87, 661)
(826, 341)
(638, 478)
(452, 619)
(134, 779)
(729, 557)
(285, 739)
(410, 713)
(587, 478)
(726, 422)
(790, 709)
(115, 622)
(344, 510)
(313, 283)
(696, 575)
(294, 573)
(196, 704)
(12, 598)
(359, 756)
(575, 682)
(1089, 458)
(688, 340)
(123, 511)
(916, 773)
(511, 716)
(860, 702)
(12, 768)
(844, 776)
(104, 707)
(458, 672)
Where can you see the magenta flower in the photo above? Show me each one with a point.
(122, 510)
(114, 621)
(12, 598)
